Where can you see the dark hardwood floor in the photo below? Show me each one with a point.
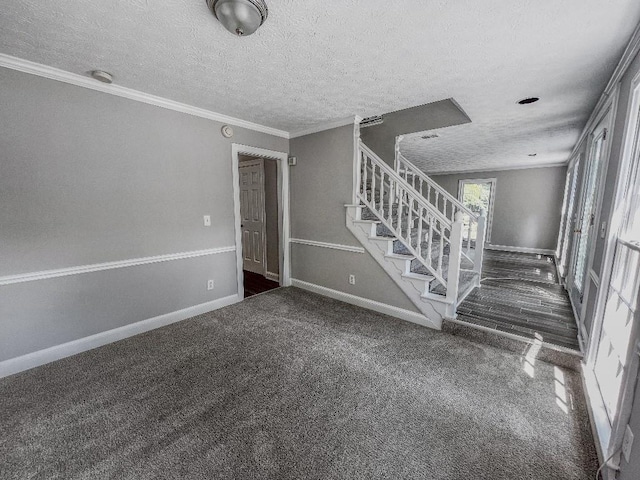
(520, 295)
(255, 283)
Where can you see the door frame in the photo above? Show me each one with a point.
(284, 252)
(492, 199)
(252, 163)
(609, 437)
(609, 108)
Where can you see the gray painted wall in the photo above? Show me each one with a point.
(382, 138)
(87, 177)
(271, 211)
(321, 186)
(528, 204)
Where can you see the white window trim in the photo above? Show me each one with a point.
(492, 199)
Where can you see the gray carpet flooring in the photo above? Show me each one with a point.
(291, 385)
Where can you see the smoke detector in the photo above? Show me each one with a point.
(102, 76)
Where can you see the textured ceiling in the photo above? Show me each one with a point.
(316, 61)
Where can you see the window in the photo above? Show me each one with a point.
(478, 194)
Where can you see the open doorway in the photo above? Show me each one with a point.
(261, 215)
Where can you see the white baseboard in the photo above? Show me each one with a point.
(272, 276)
(35, 359)
(600, 426)
(508, 248)
(379, 307)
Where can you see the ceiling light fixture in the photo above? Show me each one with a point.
(532, 155)
(102, 76)
(527, 101)
(240, 17)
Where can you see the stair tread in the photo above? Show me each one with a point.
(365, 220)
(419, 276)
(399, 256)
(379, 238)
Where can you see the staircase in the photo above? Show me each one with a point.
(425, 239)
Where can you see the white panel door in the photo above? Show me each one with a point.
(587, 213)
(569, 218)
(252, 216)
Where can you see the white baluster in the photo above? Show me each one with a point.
(392, 197)
(420, 217)
(365, 174)
(374, 187)
(430, 239)
(441, 248)
(455, 251)
(480, 239)
(469, 225)
(408, 237)
(399, 214)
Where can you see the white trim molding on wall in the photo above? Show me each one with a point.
(57, 352)
(284, 249)
(508, 248)
(326, 126)
(52, 73)
(96, 267)
(379, 307)
(529, 166)
(332, 246)
(274, 277)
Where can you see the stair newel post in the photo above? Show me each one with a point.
(481, 235)
(455, 253)
(469, 225)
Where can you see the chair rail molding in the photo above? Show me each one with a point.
(97, 267)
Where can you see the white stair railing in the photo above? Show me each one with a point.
(474, 231)
(426, 233)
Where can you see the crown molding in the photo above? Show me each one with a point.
(52, 73)
(350, 120)
(633, 48)
(494, 169)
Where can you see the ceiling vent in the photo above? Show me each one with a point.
(371, 121)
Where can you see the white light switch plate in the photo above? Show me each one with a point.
(207, 220)
(210, 285)
(352, 279)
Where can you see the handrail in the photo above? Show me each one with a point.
(416, 171)
(393, 174)
(429, 218)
